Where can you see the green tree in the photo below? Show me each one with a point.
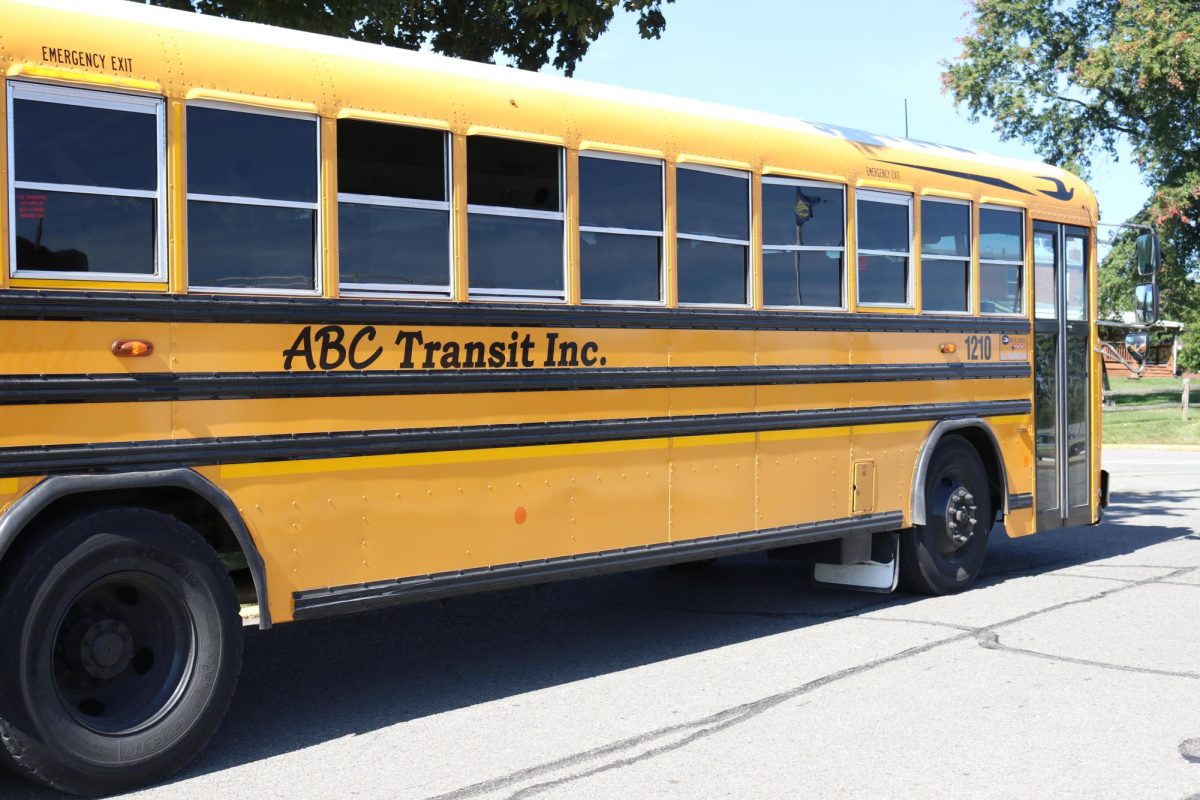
(1079, 77)
(528, 33)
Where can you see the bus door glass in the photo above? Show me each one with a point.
(1061, 374)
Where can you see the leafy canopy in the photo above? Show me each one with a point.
(1077, 77)
(528, 33)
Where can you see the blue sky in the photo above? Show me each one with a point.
(849, 63)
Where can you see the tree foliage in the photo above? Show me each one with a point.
(528, 33)
(1078, 77)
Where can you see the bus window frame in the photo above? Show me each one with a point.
(895, 198)
(1024, 262)
(748, 243)
(662, 233)
(970, 257)
(90, 98)
(560, 216)
(777, 180)
(405, 291)
(318, 243)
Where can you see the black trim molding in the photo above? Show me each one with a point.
(163, 386)
(315, 603)
(163, 454)
(119, 306)
(1019, 501)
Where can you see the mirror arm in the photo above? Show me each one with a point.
(1104, 348)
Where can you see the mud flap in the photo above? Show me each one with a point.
(878, 574)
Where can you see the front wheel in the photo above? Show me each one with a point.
(122, 649)
(945, 554)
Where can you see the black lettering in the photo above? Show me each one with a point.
(430, 349)
(301, 347)
(473, 354)
(496, 354)
(331, 337)
(568, 354)
(450, 356)
(512, 351)
(587, 354)
(551, 338)
(367, 333)
(526, 346)
(409, 338)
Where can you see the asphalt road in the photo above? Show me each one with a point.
(1072, 670)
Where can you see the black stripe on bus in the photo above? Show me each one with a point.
(125, 306)
(314, 603)
(1019, 501)
(161, 386)
(163, 454)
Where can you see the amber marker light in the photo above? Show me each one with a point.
(132, 348)
(949, 347)
(519, 515)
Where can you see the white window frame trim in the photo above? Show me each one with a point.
(776, 180)
(318, 288)
(696, 237)
(969, 257)
(91, 98)
(560, 216)
(411, 291)
(893, 198)
(1025, 241)
(648, 233)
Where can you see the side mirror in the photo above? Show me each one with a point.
(1149, 255)
(1138, 345)
(1145, 303)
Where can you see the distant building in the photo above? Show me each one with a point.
(1163, 358)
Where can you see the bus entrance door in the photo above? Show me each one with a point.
(1061, 375)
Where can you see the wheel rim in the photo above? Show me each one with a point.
(957, 512)
(123, 652)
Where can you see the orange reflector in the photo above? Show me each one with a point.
(949, 347)
(519, 515)
(132, 348)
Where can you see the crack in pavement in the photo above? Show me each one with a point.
(683, 734)
(988, 640)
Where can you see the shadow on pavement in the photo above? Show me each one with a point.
(308, 683)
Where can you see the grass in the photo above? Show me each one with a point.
(1147, 391)
(1156, 426)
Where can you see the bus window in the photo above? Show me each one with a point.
(620, 228)
(88, 184)
(1001, 261)
(945, 255)
(393, 209)
(804, 238)
(714, 236)
(252, 200)
(884, 223)
(515, 223)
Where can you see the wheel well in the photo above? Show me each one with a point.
(185, 505)
(982, 441)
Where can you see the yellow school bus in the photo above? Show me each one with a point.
(305, 326)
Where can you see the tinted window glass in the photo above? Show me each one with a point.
(1000, 288)
(84, 146)
(883, 279)
(945, 229)
(1000, 235)
(713, 205)
(239, 154)
(503, 172)
(944, 285)
(620, 194)
(1076, 261)
(803, 215)
(386, 245)
(617, 267)
(250, 246)
(711, 272)
(515, 253)
(802, 278)
(391, 160)
(1045, 275)
(63, 231)
(882, 226)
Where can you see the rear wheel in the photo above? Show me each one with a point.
(945, 554)
(122, 649)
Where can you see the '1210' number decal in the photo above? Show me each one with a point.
(979, 348)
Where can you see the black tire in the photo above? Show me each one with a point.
(945, 555)
(122, 648)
